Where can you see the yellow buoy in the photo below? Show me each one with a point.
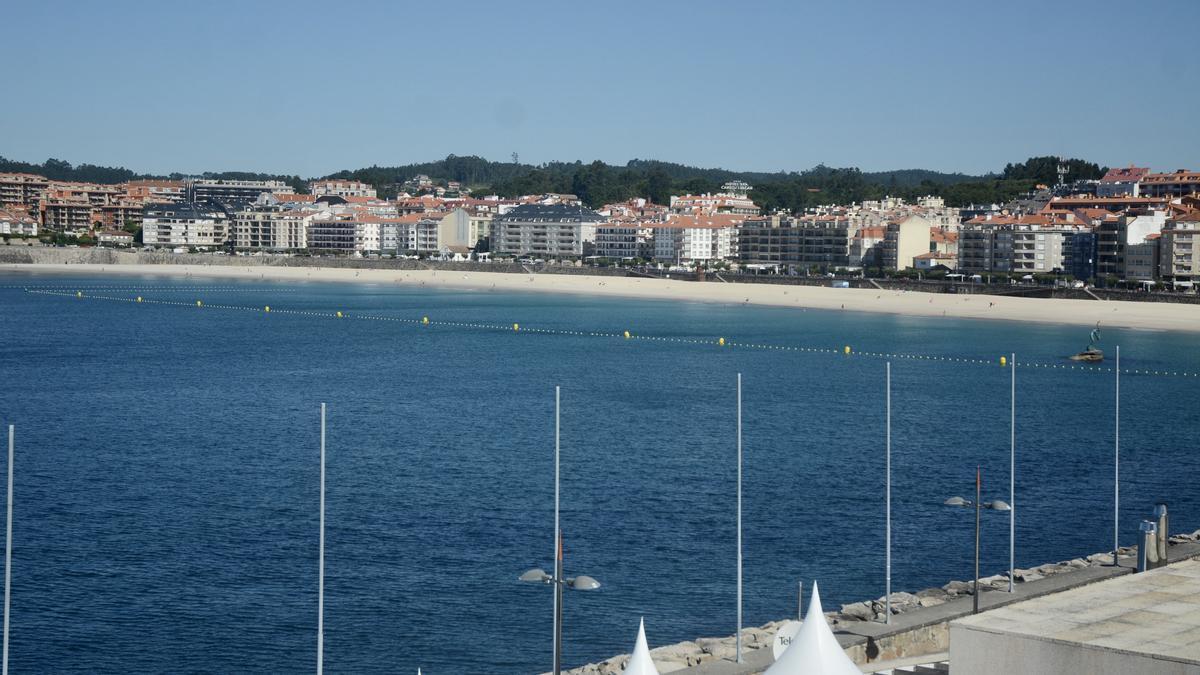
(846, 350)
(139, 298)
(79, 294)
(199, 304)
(721, 342)
(626, 335)
(339, 315)
(516, 326)
(267, 308)
(1003, 361)
(425, 320)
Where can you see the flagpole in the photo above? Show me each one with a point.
(557, 542)
(1012, 474)
(8, 548)
(1117, 464)
(739, 517)
(888, 482)
(321, 561)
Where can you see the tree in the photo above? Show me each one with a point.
(658, 186)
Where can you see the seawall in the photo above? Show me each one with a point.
(920, 621)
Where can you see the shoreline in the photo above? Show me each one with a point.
(1108, 313)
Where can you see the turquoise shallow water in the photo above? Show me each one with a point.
(166, 491)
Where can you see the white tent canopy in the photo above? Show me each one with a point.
(814, 650)
(640, 663)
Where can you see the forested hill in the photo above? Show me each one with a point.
(598, 183)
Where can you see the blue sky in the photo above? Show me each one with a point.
(311, 88)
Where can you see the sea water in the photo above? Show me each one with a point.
(167, 467)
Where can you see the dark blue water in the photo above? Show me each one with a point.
(167, 469)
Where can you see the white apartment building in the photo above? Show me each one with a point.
(721, 202)
(904, 240)
(14, 221)
(626, 239)
(22, 189)
(340, 188)
(689, 239)
(232, 191)
(272, 228)
(545, 230)
(345, 234)
(185, 224)
(1179, 250)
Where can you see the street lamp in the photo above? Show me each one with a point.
(996, 505)
(540, 576)
(580, 583)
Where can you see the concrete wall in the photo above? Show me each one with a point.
(979, 652)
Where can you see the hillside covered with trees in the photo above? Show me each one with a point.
(598, 183)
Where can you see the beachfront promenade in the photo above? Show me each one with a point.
(919, 635)
(598, 283)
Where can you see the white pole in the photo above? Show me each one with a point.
(739, 517)
(799, 600)
(1117, 464)
(557, 541)
(887, 618)
(1012, 475)
(321, 561)
(8, 547)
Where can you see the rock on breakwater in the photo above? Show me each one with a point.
(676, 657)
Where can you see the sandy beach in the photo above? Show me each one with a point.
(1141, 315)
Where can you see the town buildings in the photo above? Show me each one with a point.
(1121, 182)
(156, 191)
(345, 233)
(685, 240)
(545, 230)
(271, 227)
(905, 239)
(17, 222)
(1179, 183)
(232, 192)
(200, 225)
(1119, 238)
(21, 190)
(1179, 249)
(788, 243)
(728, 203)
(340, 188)
(625, 239)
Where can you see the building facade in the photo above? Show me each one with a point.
(1179, 250)
(904, 240)
(825, 241)
(625, 239)
(21, 190)
(203, 225)
(545, 230)
(1179, 183)
(233, 192)
(271, 228)
(345, 234)
(340, 188)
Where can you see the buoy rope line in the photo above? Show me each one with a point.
(158, 289)
(722, 342)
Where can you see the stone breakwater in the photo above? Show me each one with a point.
(691, 653)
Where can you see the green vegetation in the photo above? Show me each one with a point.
(598, 183)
